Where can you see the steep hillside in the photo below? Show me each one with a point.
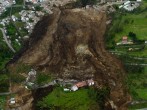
(70, 45)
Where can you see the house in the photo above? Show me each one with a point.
(124, 40)
(12, 101)
(78, 85)
(139, 0)
(81, 84)
(31, 76)
(74, 88)
(66, 89)
(90, 82)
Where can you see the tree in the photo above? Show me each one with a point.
(83, 3)
(132, 36)
(93, 2)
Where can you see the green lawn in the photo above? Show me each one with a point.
(139, 26)
(142, 53)
(4, 83)
(78, 100)
(125, 22)
(138, 106)
(2, 102)
(5, 52)
(19, 24)
(142, 93)
(138, 85)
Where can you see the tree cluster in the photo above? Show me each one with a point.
(83, 3)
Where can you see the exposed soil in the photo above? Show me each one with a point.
(70, 44)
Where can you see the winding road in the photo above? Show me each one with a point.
(6, 40)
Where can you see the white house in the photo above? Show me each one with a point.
(90, 82)
(66, 89)
(12, 101)
(139, 0)
(74, 88)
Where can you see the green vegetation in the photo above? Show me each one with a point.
(78, 100)
(138, 106)
(16, 75)
(38, 8)
(4, 83)
(43, 78)
(134, 25)
(5, 52)
(11, 30)
(2, 102)
(6, 13)
(23, 68)
(137, 85)
(19, 2)
(83, 99)
(127, 24)
(16, 10)
(11, 11)
(83, 3)
(17, 78)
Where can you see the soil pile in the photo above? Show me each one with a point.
(69, 44)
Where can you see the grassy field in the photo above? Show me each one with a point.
(138, 106)
(138, 85)
(2, 102)
(142, 53)
(125, 22)
(78, 100)
(134, 22)
(139, 50)
(139, 26)
(5, 52)
(138, 88)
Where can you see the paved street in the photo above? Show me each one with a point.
(6, 40)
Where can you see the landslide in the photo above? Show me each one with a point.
(70, 45)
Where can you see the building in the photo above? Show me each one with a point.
(90, 82)
(12, 101)
(78, 85)
(74, 88)
(130, 5)
(124, 40)
(139, 0)
(31, 76)
(81, 84)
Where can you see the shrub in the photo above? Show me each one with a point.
(83, 3)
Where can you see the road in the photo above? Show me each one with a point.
(142, 109)
(140, 64)
(123, 53)
(48, 84)
(5, 93)
(6, 40)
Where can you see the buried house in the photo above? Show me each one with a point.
(78, 85)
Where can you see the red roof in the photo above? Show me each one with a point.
(124, 37)
(81, 84)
